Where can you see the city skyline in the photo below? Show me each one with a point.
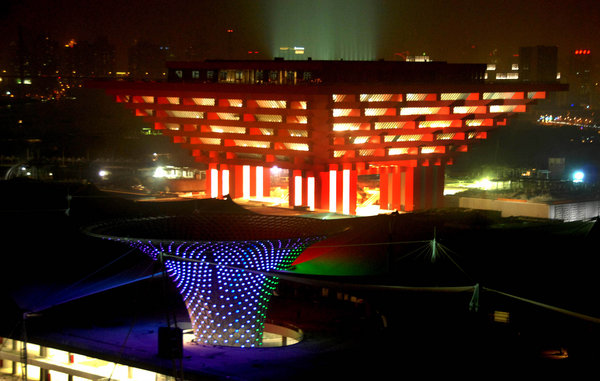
(299, 188)
(463, 30)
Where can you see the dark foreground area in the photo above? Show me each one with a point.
(358, 323)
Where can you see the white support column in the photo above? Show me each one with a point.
(297, 190)
(246, 182)
(225, 181)
(259, 182)
(310, 190)
(214, 183)
(332, 190)
(346, 191)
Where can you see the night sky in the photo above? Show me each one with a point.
(450, 30)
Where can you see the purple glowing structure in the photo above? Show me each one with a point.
(222, 265)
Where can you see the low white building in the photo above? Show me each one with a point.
(565, 210)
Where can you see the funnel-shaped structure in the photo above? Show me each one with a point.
(221, 264)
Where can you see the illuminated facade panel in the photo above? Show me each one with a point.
(185, 114)
(380, 97)
(371, 118)
(388, 125)
(228, 129)
(346, 126)
(204, 101)
(420, 110)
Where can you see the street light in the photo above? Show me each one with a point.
(578, 176)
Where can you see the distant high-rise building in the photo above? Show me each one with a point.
(44, 56)
(34, 56)
(85, 59)
(33, 64)
(580, 79)
(103, 56)
(538, 63)
(147, 60)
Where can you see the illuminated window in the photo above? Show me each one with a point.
(366, 152)
(448, 136)
(388, 125)
(435, 124)
(266, 131)
(251, 143)
(454, 96)
(476, 135)
(195, 74)
(402, 138)
(302, 119)
(413, 97)
(339, 97)
(211, 141)
(398, 151)
(473, 122)
(502, 108)
(173, 100)
(290, 77)
(298, 133)
(185, 114)
(228, 116)
(271, 103)
(339, 153)
(296, 146)
(204, 101)
(346, 126)
(505, 95)
(507, 76)
(419, 110)
(228, 129)
(268, 118)
(376, 97)
(235, 102)
(375, 111)
(298, 105)
(338, 112)
(468, 109)
(359, 139)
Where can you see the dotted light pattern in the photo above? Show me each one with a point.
(227, 304)
(221, 264)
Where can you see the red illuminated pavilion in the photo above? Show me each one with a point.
(327, 122)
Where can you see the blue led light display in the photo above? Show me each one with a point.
(222, 264)
(225, 294)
